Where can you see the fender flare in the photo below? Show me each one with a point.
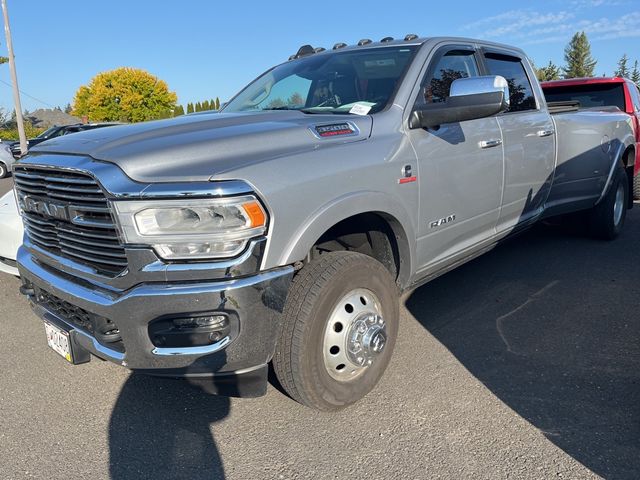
(341, 208)
(625, 144)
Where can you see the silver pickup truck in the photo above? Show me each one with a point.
(285, 228)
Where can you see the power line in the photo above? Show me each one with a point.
(27, 95)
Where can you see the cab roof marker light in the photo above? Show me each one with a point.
(305, 50)
(364, 41)
(386, 39)
(410, 36)
(339, 45)
(320, 49)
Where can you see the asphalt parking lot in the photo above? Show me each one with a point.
(524, 363)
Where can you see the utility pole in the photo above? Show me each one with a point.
(14, 80)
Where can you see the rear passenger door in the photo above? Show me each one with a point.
(528, 141)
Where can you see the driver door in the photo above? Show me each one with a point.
(460, 168)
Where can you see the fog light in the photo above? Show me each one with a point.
(190, 331)
(213, 322)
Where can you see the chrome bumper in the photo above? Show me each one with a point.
(255, 301)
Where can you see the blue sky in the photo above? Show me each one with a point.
(204, 49)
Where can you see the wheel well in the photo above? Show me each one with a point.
(628, 159)
(367, 233)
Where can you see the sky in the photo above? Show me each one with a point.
(207, 49)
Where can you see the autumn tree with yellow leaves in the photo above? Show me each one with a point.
(125, 94)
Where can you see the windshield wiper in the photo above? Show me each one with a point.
(320, 112)
(284, 107)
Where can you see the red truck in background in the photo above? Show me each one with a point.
(601, 92)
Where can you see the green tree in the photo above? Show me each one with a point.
(190, 107)
(124, 94)
(205, 105)
(550, 72)
(68, 108)
(577, 54)
(217, 103)
(178, 111)
(635, 73)
(622, 70)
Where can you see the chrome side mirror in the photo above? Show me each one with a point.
(469, 99)
(482, 85)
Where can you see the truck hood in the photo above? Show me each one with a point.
(198, 147)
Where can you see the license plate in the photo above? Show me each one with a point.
(59, 341)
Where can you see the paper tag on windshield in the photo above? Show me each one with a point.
(360, 109)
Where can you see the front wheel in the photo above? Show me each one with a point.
(607, 218)
(4, 171)
(339, 328)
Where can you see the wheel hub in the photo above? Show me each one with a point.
(366, 339)
(618, 206)
(355, 335)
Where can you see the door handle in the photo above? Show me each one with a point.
(490, 143)
(545, 133)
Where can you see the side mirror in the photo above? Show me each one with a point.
(469, 98)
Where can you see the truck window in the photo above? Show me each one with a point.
(511, 68)
(590, 95)
(452, 65)
(635, 96)
(330, 82)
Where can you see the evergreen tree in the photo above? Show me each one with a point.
(217, 103)
(635, 73)
(205, 105)
(550, 72)
(212, 102)
(577, 54)
(178, 111)
(198, 107)
(189, 107)
(622, 70)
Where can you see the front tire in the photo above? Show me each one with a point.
(607, 218)
(4, 171)
(339, 328)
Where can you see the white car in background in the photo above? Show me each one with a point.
(6, 159)
(11, 231)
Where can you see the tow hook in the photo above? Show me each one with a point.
(28, 291)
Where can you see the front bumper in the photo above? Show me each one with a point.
(255, 301)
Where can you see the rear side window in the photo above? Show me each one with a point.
(511, 68)
(451, 66)
(635, 96)
(589, 96)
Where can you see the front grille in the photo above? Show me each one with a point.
(102, 329)
(82, 229)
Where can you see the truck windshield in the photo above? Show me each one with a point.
(589, 96)
(329, 83)
(49, 132)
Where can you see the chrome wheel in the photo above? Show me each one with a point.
(355, 335)
(618, 206)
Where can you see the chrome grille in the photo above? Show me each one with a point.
(86, 233)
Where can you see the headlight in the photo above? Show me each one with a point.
(195, 228)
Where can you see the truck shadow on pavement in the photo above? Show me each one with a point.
(550, 324)
(161, 428)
